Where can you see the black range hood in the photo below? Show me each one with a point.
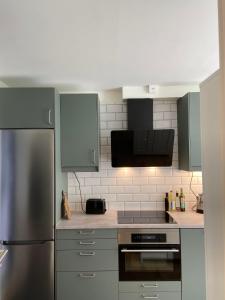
(140, 145)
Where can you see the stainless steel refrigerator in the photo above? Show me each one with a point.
(27, 213)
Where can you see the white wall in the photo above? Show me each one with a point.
(133, 188)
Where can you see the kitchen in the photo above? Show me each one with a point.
(138, 188)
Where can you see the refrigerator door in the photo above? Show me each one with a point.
(28, 272)
(27, 184)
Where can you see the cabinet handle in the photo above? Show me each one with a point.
(149, 285)
(150, 297)
(50, 117)
(91, 253)
(87, 243)
(90, 275)
(149, 250)
(94, 156)
(83, 232)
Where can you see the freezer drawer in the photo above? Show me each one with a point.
(28, 272)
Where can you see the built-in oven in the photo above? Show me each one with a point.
(149, 255)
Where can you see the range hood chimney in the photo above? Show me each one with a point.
(140, 145)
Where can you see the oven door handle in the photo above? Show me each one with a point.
(150, 250)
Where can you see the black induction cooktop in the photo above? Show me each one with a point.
(144, 217)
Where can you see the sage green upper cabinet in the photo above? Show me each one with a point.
(79, 132)
(27, 107)
(193, 264)
(189, 138)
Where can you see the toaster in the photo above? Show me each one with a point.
(95, 206)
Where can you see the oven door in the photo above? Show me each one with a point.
(149, 262)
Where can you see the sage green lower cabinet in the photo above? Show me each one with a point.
(193, 264)
(87, 285)
(85, 260)
(87, 264)
(155, 296)
(160, 290)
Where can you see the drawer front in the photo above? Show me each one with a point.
(102, 244)
(87, 286)
(151, 296)
(71, 234)
(86, 260)
(150, 286)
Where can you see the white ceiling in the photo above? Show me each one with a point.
(94, 44)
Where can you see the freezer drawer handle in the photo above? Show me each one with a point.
(149, 285)
(83, 232)
(88, 276)
(91, 253)
(87, 243)
(150, 250)
(150, 297)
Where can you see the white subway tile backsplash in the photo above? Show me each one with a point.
(115, 124)
(124, 197)
(92, 181)
(148, 188)
(108, 181)
(148, 205)
(121, 116)
(107, 116)
(100, 189)
(114, 108)
(133, 188)
(163, 124)
(132, 205)
(140, 180)
(170, 115)
(124, 181)
(161, 107)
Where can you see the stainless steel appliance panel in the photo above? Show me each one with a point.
(27, 184)
(27, 272)
(172, 234)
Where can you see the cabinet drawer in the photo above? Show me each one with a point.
(149, 286)
(87, 286)
(102, 244)
(151, 295)
(71, 234)
(86, 260)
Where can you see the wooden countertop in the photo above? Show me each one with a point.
(80, 220)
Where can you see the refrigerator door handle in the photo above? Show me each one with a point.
(8, 243)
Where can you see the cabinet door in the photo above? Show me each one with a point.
(27, 107)
(87, 285)
(189, 138)
(194, 132)
(79, 132)
(193, 264)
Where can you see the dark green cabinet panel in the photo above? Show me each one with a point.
(193, 264)
(27, 107)
(80, 132)
(189, 137)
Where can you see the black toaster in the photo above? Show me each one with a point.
(95, 206)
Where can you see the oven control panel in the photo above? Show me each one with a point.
(148, 238)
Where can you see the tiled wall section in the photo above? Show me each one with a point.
(134, 188)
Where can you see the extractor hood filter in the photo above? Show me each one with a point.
(140, 145)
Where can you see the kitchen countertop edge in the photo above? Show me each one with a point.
(188, 220)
